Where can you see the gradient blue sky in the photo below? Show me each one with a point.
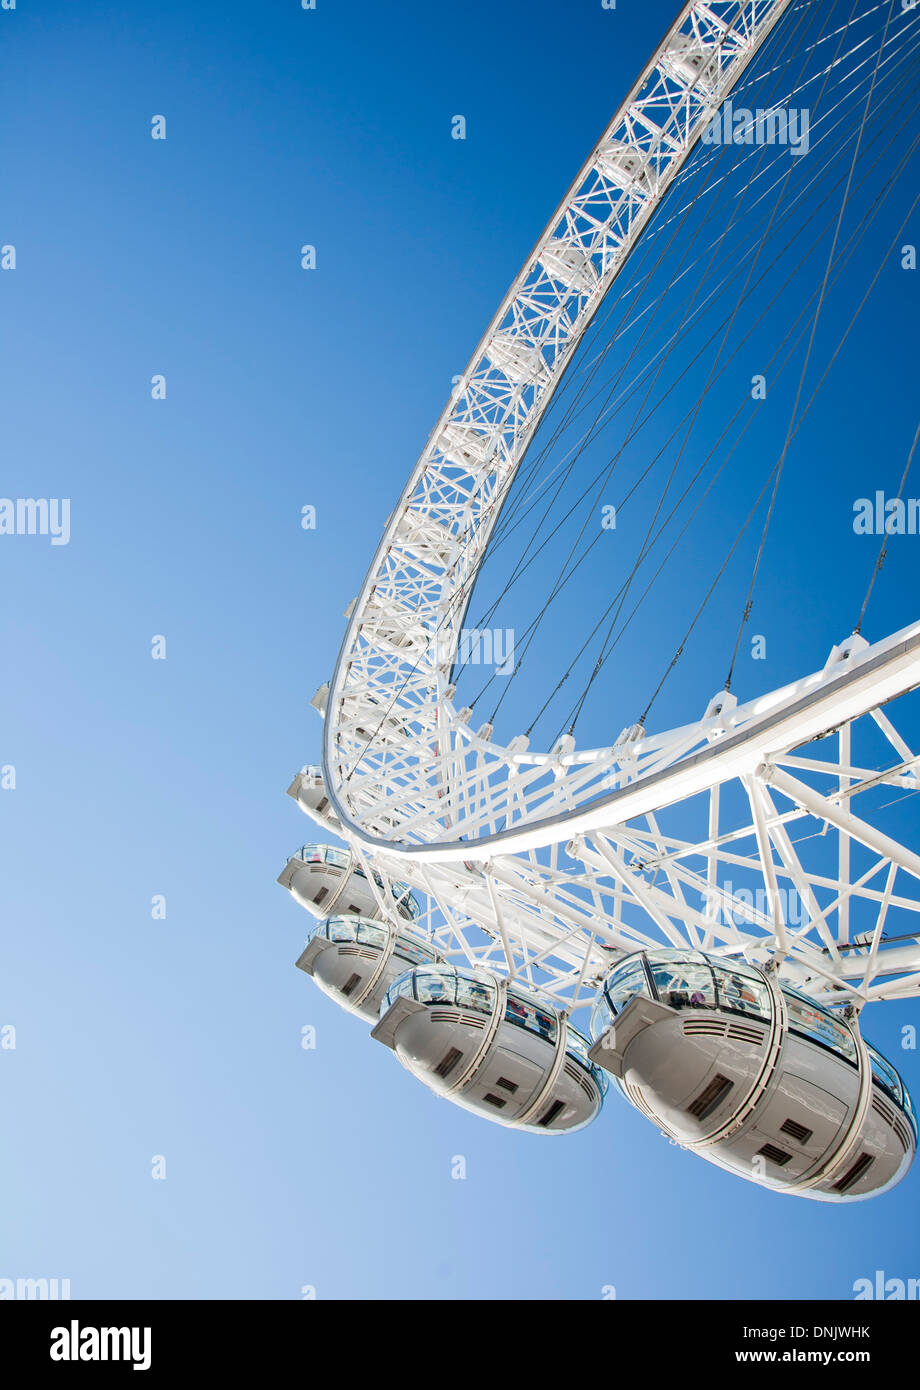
(285, 1167)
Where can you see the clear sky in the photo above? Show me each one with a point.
(180, 1037)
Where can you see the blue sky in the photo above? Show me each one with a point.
(181, 1037)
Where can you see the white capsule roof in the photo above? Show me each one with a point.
(493, 1048)
(753, 1075)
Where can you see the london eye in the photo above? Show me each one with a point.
(698, 914)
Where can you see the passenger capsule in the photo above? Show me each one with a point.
(355, 960)
(309, 791)
(753, 1075)
(493, 1048)
(325, 880)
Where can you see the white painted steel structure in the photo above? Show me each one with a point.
(546, 866)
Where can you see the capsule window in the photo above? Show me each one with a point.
(711, 1095)
(796, 1131)
(337, 929)
(414, 951)
(811, 1021)
(372, 936)
(775, 1154)
(527, 1013)
(741, 991)
(448, 1062)
(547, 1119)
(475, 994)
(349, 985)
(884, 1073)
(684, 983)
(862, 1164)
(625, 983)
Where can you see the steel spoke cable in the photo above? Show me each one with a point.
(701, 350)
(625, 395)
(523, 563)
(701, 173)
(871, 287)
(633, 429)
(664, 525)
(883, 551)
(812, 398)
(795, 92)
(758, 154)
(829, 366)
(533, 465)
(898, 59)
(703, 605)
(832, 35)
(803, 314)
(459, 598)
(785, 181)
(752, 416)
(742, 296)
(658, 572)
(610, 392)
(820, 305)
(495, 540)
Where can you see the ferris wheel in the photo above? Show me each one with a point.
(489, 891)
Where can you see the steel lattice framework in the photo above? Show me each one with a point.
(545, 865)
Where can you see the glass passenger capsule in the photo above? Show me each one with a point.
(309, 791)
(326, 880)
(493, 1048)
(753, 1075)
(355, 960)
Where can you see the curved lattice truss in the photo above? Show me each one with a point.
(741, 833)
(747, 833)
